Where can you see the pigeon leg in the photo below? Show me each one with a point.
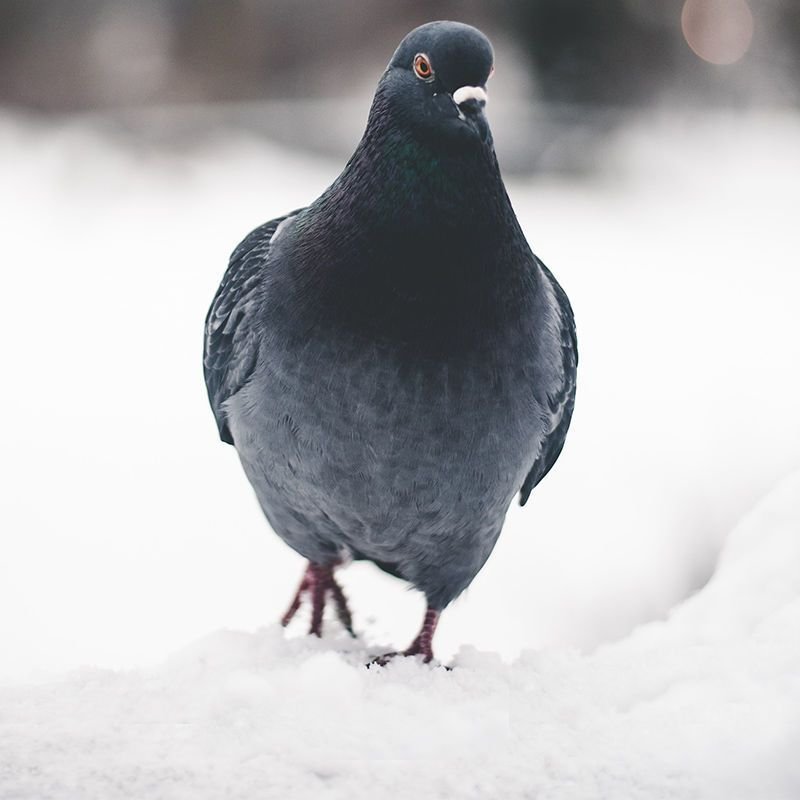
(318, 581)
(298, 598)
(342, 611)
(422, 644)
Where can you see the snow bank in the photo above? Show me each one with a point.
(704, 704)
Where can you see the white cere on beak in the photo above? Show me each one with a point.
(470, 93)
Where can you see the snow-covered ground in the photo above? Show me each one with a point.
(702, 705)
(129, 530)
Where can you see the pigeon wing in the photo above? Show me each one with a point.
(231, 345)
(561, 400)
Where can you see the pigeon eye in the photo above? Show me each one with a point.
(422, 67)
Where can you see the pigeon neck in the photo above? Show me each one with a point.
(410, 245)
(404, 187)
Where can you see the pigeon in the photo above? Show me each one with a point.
(392, 363)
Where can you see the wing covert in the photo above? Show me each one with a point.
(561, 402)
(231, 347)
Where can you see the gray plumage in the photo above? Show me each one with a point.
(392, 363)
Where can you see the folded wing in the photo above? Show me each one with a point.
(231, 347)
(561, 398)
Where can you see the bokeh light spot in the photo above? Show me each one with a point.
(719, 31)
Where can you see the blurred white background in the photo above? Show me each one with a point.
(665, 205)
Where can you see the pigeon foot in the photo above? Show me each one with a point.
(318, 581)
(421, 646)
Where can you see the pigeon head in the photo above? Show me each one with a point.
(435, 84)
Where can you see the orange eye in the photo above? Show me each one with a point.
(422, 66)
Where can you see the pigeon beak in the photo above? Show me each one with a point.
(472, 96)
(470, 101)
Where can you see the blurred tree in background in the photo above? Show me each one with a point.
(629, 52)
(87, 54)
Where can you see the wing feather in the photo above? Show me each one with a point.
(231, 345)
(561, 401)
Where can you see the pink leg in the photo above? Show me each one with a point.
(318, 580)
(295, 604)
(422, 645)
(342, 611)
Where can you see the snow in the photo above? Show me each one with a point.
(582, 668)
(704, 704)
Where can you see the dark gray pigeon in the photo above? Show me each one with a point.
(393, 363)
